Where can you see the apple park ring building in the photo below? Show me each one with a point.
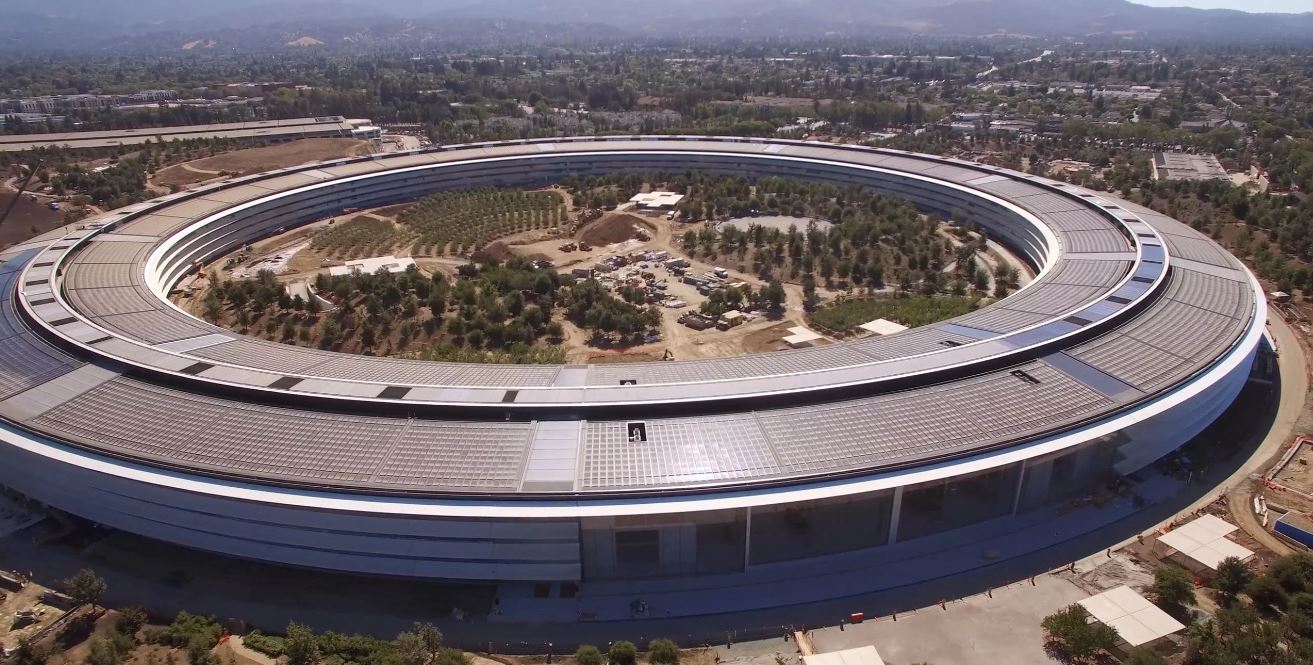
(118, 407)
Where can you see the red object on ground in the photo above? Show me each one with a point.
(856, 617)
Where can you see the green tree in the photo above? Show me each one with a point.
(451, 656)
(300, 645)
(85, 587)
(588, 654)
(102, 652)
(1173, 589)
(200, 654)
(1232, 577)
(622, 653)
(28, 653)
(1299, 615)
(662, 652)
(131, 619)
(419, 645)
(1294, 572)
(1266, 593)
(1072, 638)
(1144, 657)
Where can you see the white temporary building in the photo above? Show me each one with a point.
(1203, 544)
(391, 263)
(883, 327)
(1136, 620)
(657, 199)
(800, 337)
(866, 655)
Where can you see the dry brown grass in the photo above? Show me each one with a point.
(255, 160)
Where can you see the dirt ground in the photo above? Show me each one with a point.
(26, 599)
(1297, 477)
(28, 219)
(611, 229)
(255, 160)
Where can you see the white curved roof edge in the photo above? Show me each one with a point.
(526, 393)
(574, 508)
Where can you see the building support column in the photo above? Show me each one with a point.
(893, 515)
(747, 541)
(1021, 483)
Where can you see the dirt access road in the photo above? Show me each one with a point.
(1292, 411)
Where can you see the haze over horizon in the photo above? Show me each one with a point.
(1251, 6)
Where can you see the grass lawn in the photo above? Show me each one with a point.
(911, 312)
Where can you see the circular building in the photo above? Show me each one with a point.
(892, 451)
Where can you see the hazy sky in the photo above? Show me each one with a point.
(1246, 5)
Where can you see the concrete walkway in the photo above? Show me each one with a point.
(1004, 628)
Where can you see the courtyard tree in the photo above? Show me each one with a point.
(1232, 577)
(86, 588)
(1173, 589)
(1071, 637)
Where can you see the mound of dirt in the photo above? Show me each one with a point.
(497, 251)
(612, 229)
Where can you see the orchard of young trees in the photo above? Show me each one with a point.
(492, 312)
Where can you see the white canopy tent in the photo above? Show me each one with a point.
(883, 327)
(866, 655)
(1203, 543)
(800, 336)
(1136, 620)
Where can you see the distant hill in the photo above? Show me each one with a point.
(169, 24)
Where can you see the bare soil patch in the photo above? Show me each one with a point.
(27, 220)
(769, 339)
(615, 228)
(497, 251)
(255, 160)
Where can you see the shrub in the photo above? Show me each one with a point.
(622, 653)
(663, 652)
(131, 619)
(185, 630)
(450, 656)
(587, 654)
(269, 645)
